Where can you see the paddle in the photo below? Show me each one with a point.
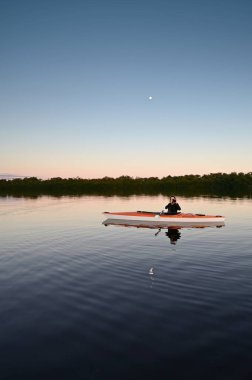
(150, 212)
(154, 212)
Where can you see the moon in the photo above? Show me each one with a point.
(150, 98)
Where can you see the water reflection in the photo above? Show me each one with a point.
(172, 232)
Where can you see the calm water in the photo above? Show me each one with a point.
(78, 300)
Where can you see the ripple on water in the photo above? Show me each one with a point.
(78, 300)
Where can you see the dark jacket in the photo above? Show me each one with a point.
(173, 208)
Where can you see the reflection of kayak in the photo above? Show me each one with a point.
(156, 218)
(161, 224)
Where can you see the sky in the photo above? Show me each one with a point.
(76, 77)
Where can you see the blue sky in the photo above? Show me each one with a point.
(76, 76)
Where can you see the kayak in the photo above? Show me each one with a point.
(158, 218)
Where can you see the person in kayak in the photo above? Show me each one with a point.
(173, 207)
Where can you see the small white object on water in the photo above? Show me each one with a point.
(151, 271)
(150, 97)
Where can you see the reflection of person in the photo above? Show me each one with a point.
(173, 206)
(173, 234)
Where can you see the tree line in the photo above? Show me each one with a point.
(213, 183)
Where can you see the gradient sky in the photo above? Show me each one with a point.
(75, 77)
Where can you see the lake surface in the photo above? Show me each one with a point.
(83, 301)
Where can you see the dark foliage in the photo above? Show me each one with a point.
(214, 183)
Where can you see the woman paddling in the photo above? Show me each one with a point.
(173, 206)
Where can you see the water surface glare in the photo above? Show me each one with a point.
(83, 301)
